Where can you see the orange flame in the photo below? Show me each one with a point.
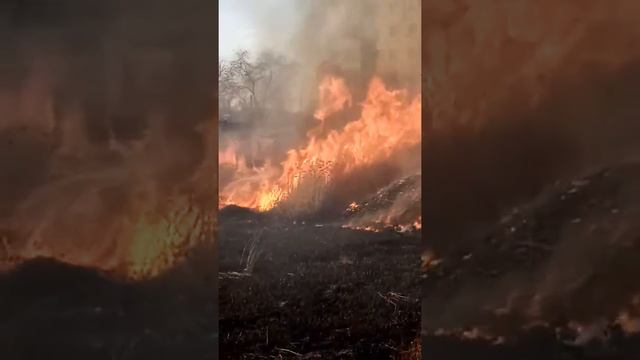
(389, 122)
(334, 96)
(229, 156)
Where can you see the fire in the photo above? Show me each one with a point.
(390, 121)
(418, 223)
(628, 318)
(334, 96)
(229, 156)
(70, 221)
(160, 242)
(353, 207)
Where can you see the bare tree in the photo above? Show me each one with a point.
(246, 76)
(227, 90)
(246, 83)
(272, 67)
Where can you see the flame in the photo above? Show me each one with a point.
(628, 318)
(116, 220)
(142, 243)
(354, 206)
(229, 156)
(390, 121)
(418, 223)
(159, 243)
(334, 97)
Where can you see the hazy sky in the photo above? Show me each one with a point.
(255, 24)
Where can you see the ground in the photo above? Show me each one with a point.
(51, 310)
(565, 259)
(316, 291)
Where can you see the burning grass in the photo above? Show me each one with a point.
(389, 123)
(159, 243)
(134, 243)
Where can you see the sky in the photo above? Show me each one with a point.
(247, 24)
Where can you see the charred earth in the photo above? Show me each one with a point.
(52, 310)
(555, 279)
(313, 290)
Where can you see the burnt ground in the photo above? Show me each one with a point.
(51, 310)
(569, 256)
(316, 291)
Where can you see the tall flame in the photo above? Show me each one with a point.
(334, 96)
(390, 121)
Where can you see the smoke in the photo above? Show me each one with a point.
(493, 49)
(359, 37)
(347, 37)
(519, 94)
(335, 34)
(568, 256)
(353, 43)
(104, 107)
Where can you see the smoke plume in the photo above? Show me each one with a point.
(520, 95)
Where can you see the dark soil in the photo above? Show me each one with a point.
(317, 291)
(51, 310)
(569, 255)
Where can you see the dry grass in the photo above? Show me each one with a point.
(252, 251)
(307, 187)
